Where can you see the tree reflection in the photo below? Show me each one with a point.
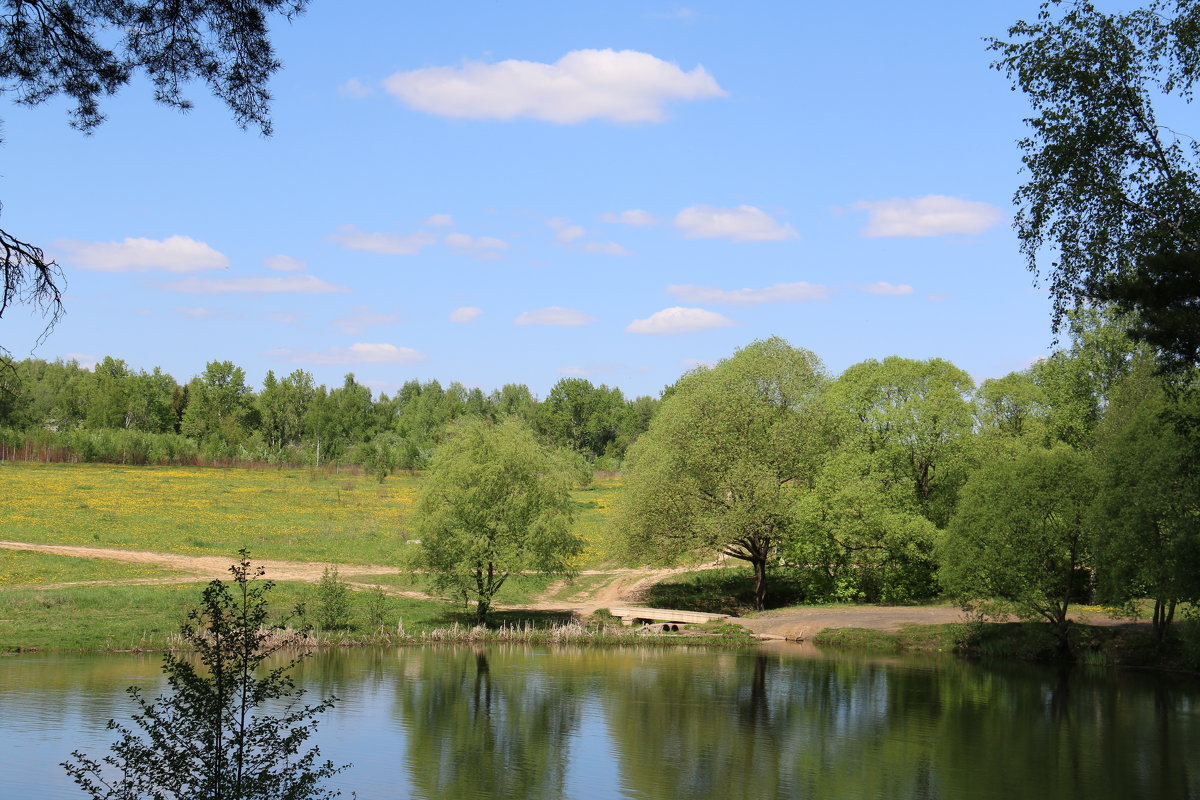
(486, 724)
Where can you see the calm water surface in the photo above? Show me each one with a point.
(509, 722)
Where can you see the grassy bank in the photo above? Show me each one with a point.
(140, 618)
(1131, 646)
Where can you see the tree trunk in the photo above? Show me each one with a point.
(760, 582)
(1164, 612)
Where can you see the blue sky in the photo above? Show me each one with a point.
(516, 192)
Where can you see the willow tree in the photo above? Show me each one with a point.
(494, 503)
(724, 461)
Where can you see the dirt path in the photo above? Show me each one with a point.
(802, 623)
(201, 567)
(626, 586)
(194, 568)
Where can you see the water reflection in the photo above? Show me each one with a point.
(483, 725)
(644, 723)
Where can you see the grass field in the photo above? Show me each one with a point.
(298, 515)
(23, 568)
(148, 617)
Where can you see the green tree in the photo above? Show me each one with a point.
(1112, 198)
(581, 416)
(726, 459)
(863, 535)
(1076, 380)
(85, 51)
(1019, 539)
(109, 395)
(383, 455)
(1013, 406)
(514, 399)
(219, 404)
(1147, 514)
(493, 503)
(211, 735)
(914, 419)
(282, 406)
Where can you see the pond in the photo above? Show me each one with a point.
(782, 721)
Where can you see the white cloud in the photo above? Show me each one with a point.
(282, 263)
(554, 315)
(579, 371)
(173, 254)
(199, 312)
(606, 248)
(681, 14)
(566, 232)
(300, 284)
(439, 221)
(359, 353)
(388, 244)
(479, 245)
(679, 320)
(634, 216)
(883, 287)
(937, 297)
(800, 292)
(933, 215)
(619, 86)
(741, 224)
(355, 88)
(285, 317)
(362, 317)
(465, 314)
(85, 360)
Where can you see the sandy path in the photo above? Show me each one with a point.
(626, 586)
(802, 623)
(202, 567)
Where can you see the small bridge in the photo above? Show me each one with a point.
(632, 615)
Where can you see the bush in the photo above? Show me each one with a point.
(332, 606)
(375, 606)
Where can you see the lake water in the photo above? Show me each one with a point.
(786, 721)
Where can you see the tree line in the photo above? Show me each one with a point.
(1070, 481)
(61, 410)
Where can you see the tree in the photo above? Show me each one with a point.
(282, 406)
(863, 534)
(87, 50)
(1147, 515)
(726, 459)
(581, 416)
(219, 403)
(914, 419)
(1013, 406)
(1112, 193)
(494, 503)
(1077, 380)
(1019, 538)
(210, 736)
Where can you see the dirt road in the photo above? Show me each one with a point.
(627, 585)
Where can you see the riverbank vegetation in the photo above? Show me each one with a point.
(1103, 645)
